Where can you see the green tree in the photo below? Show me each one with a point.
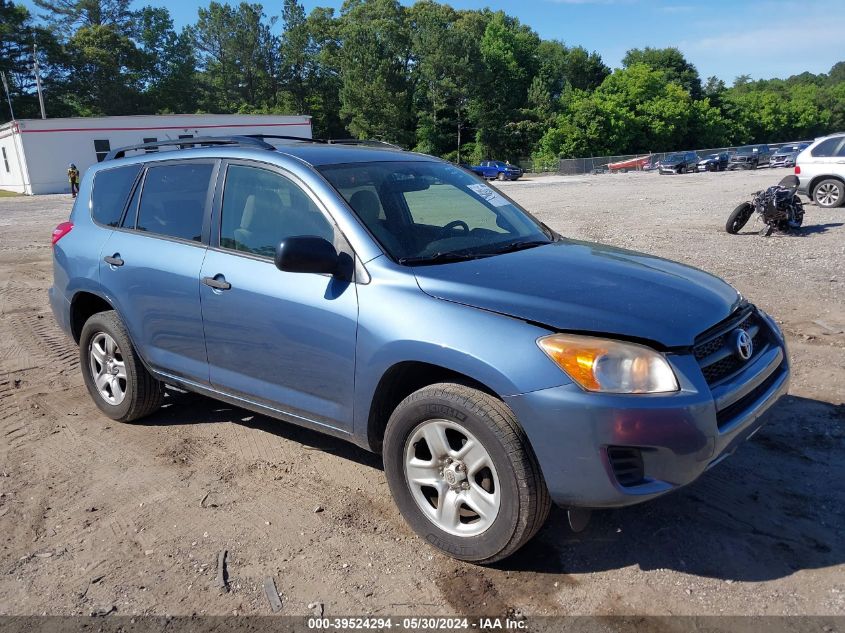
(297, 53)
(509, 53)
(238, 57)
(168, 62)
(672, 62)
(445, 62)
(104, 75)
(66, 16)
(376, 92)
(18, 32)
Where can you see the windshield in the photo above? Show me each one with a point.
(746, 150)
(674, 157)
(431, 212)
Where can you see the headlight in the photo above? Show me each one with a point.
(609, 366)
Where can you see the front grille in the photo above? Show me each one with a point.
(714, 352)
(727, 415)
(627, 465)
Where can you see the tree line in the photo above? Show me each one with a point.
(427, 77)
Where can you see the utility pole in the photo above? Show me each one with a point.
(37, 77)
(8, 97)
(459, 138)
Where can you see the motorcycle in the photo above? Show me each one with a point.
(779, 207)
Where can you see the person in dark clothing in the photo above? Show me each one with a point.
(73, 177)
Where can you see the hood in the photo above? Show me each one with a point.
(709, 159)
(585, 287)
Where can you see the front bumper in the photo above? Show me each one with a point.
(678, 436)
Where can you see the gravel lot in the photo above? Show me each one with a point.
(97, 516)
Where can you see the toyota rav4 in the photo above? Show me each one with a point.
(399, 302)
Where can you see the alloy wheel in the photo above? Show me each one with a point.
(452, 477)
(107, 367)
(827, 194)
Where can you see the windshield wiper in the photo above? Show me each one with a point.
(517, 246)
(441, 258)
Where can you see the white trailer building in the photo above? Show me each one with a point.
(35, 153)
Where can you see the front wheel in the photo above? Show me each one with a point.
(739, 218)
(117, 380)
(500, 176)
(463, 474)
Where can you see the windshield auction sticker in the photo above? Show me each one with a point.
(489, 195)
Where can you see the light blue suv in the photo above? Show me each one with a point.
(399, 302)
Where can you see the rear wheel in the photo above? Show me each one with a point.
(739, 218)
(120, 385)
(829, 194)
(463, 474)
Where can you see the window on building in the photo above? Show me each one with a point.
(262, 208)
(111, 189)
(6, 160)
(151, 139)
(173, 200)
(101, 148)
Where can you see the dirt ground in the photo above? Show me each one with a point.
(100, 517)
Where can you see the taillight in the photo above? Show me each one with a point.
(60, 231)
(797, 170)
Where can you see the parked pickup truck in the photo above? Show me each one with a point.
(496, 169)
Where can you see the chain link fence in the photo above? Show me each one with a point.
(630, 162)
(602, 164)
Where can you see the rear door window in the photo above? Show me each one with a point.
(174, 199)
(111, 189)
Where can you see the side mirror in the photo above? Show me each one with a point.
(306, 254)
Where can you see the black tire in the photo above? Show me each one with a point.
(143, 393)
(524, 498)
(829, 193)
(739, 218)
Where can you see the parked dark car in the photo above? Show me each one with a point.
(750, 157)
(785, 156)
(498, 170)
(714, 162)
(679, 163)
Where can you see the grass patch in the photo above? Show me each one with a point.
(9, 194)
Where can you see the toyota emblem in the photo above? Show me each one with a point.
(743, 344)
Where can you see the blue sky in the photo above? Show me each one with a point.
(726, 38)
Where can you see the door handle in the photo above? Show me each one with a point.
(218, 282)
(113, 260)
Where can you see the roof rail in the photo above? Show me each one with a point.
(355, 141)
(238, 141)
(304, 139)
(327, 141)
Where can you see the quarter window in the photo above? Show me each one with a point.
(261, 208)
(828, 147)
(173, 200)
(101, 147)
(111, 189)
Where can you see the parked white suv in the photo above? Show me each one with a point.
(821, 171)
